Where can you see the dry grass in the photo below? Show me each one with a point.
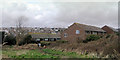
(103, 46)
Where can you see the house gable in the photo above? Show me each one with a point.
(79, 31)
(109, 30)
(74, 32)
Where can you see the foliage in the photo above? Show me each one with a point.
(45, 43)
(92, 38)
(61, 53)
(118, 33)
(33, 54)
(2, 37)
(10, 40)
(26, 40)
(32, 41)
(108, 36)
(44, 53)
(62, 41)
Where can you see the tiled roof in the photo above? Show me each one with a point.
(90, 28)
(115, 30)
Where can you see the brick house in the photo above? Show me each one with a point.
(79, 32)
(109, 30)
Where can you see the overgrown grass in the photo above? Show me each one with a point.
(40, 53)
(34, 54)
(26, 54)
(62, 54)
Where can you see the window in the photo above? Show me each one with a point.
(65, 34)
(52, 39)
(46, 39)
(37, 39)
(94, 32)
(87, 32)
(77, 32)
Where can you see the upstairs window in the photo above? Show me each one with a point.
(77, 32)
(65, 35)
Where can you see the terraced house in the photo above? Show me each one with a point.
(45, 36)
(79, 32)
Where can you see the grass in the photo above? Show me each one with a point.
(33, 54)
(40, 53)
(64, 54)
(26, 54)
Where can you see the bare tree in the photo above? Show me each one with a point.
(20, 31)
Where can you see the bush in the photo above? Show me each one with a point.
(85, 41)
(118, 33)
(92, 38)
(45, 43)
(33, 41)
(10, 40)
(2, 35)
(108, 36)
(62, 41)
(26, 40)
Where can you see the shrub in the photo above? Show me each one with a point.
(10, 40)
(62, 41)
(85, 41)
(92, 38)
(33, 41)
(45, 43)
(118, 33)
(108, 36)
(2, 35)
(26, 40)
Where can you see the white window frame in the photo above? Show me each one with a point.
(94, 32)
(37, 39)
(46, 39)
(77, 32)
(65, 34)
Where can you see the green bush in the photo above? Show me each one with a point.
(26, 40)
(108, 36)
(92, 38)
(62, 41)
(118, 33)
(10, 40)
(45, 43)
(2, 35)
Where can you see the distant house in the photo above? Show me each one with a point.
(79, 32)
(45, 37)
(109, 30)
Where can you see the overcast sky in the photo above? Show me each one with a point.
(59, 14)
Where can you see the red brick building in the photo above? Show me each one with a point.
(109, 30)
(79, 32)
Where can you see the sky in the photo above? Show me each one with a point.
(59, 13)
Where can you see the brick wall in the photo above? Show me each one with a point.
(71, 34)
(108, 30)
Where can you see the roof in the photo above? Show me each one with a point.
(115, 30)
(90, 28)
(45, 35)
